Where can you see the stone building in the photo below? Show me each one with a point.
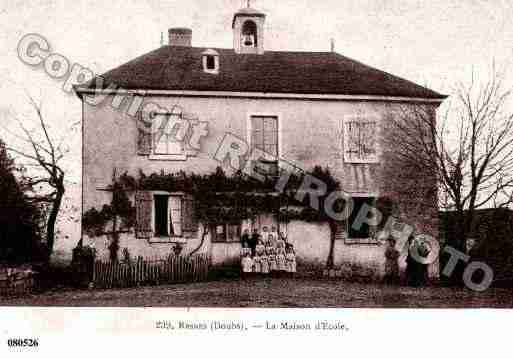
(307, 108)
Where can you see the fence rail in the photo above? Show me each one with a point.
(16, 283)
(174, 269)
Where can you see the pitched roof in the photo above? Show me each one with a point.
(319, 73)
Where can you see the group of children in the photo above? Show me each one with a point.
(267, 253)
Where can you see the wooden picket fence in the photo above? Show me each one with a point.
(173, 269)
(16, 282)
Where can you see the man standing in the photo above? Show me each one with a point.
(245, 239)
(253, 241)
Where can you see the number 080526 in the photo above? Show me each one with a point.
(19, 342)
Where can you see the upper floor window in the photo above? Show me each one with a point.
(167, 139)
(264, 136)
(360, 144)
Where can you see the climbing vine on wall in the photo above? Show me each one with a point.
(217, 197)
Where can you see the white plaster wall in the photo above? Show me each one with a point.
(310, 133)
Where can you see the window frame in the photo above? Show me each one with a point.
(210, 62)
(344, 138)
(224, 239)
(206, 57)
(249, 135)
(371, 239)
(170, 238)
(165, 156)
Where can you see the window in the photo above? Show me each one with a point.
(360, 141)
(161, 210)
(225, 232)
(264, 136)
(167, 216)
(168, 137)
(364, 232)
(211, 62)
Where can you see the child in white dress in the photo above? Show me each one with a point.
(281, 260)
(290, 256)
(268, 248)
(265, 233)
(271, 258)
(247, 265)
(264, 264)
(275, 234)
(257, 264)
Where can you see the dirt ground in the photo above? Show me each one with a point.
(273, 292)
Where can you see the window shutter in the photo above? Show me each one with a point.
(360, 145)
(143, 136)
(189, 219)
(143, 209)
(368, 149)
(352, 139)
(176, 215)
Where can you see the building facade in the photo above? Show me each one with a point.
(172, 109)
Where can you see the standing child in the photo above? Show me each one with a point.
(280, 243)
(281, 260)
(257, 264)
(391, 263)
(247, 265)
(274, 234)
(264, 264)
(268, 246)
(260, 248)
(271, 258)
(290, 256)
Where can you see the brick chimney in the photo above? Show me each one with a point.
(180, 36)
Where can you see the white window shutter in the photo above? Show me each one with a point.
(175, 211)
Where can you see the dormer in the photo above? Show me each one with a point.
(248, 31)
(210, 61)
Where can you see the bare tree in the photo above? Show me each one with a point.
(39, 151)
(469, 148)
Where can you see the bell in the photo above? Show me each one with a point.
(248, 40)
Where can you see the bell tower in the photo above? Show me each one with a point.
(248, 31)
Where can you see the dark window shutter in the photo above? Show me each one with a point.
(189, 219)
(143, 209)
(143, 136)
